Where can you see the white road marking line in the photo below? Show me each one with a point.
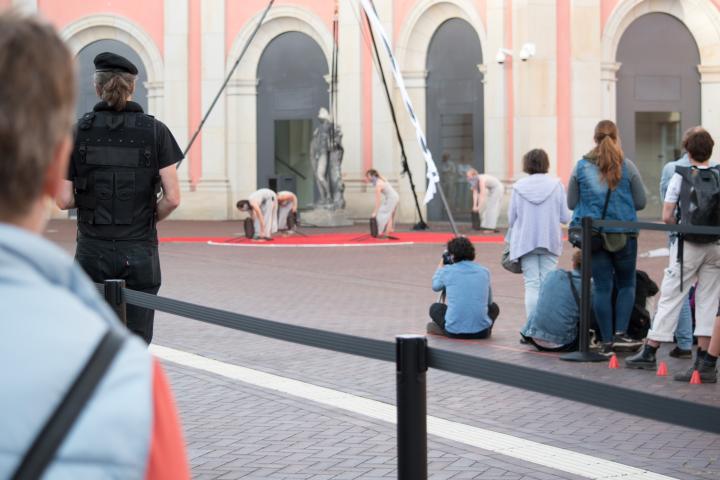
(304, 245)
(520, 448)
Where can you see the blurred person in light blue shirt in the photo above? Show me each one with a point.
(468, 311)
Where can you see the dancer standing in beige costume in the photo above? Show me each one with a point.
(488, 193)
(386, 201)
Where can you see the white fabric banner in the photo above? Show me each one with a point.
(432, 172)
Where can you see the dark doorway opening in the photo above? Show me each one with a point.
(658, 96)
(455, 113)
(291, 90)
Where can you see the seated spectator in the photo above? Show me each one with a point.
(52, 317)
(469, 312)
(553, 324)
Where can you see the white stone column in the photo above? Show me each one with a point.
(214, 186)
(350, 105)
(534, 21)
(608, 76)
(174, 93)
(242, 139)
(710, 94)
(155, 95)
(495, 95)
(589, 83)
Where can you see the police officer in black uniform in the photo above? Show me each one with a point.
(123, 180)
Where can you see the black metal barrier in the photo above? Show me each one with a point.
(412, 358)
(584, 354)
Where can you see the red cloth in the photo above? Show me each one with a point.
(167, 458)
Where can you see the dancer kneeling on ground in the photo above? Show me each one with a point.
(262, 206)
(386, 201)
(691, 191)
(287, 207)
(469, 312)
(553, 324)
(487, 193)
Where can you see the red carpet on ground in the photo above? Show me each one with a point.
(337, 239)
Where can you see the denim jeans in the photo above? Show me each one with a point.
(616, 268)
(535, 268)
(684, 330)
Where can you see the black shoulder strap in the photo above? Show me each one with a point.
(574, 290)
(53, 433)
(607, 201)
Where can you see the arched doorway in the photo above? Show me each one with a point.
(86, 88)
(455, 112)
(291, 90)
(658, 95)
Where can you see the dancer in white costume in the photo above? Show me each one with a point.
(386, 201)
(488, 194)
(287, 202)
(262, 206)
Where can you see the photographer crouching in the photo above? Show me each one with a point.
(469, 311)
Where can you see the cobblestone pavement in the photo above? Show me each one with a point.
(380, 292)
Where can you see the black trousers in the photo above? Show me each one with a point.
(438, 311)
(137, 263)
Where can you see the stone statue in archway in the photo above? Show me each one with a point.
(326, 154)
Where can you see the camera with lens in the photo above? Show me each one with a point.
(447, 258)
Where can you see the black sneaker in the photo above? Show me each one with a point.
(678, 352)
(623, 343)
(644, 360)
(708, 373)
(434, 329)
(604, 349)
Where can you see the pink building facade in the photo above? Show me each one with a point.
(651, 65)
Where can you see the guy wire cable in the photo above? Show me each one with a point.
(421, 225)
(406, 168)
(227, 80)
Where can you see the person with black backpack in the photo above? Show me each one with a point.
(694, 192)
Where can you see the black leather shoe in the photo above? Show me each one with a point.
(678, 352)
(644, 360)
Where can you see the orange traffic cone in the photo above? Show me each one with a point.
(695, 379)
(662, 370)
(613, 362)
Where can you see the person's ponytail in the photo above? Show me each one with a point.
(115, 88)
(609, 154)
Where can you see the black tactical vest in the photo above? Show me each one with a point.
(117, 178)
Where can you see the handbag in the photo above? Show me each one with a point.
(512, 266)
(575, 233)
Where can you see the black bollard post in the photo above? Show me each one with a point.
(584, 354)
(411, 361)
(115, 298)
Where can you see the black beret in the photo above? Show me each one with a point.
(111, 62)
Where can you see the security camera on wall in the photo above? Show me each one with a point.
(527, 51)
(502, 55)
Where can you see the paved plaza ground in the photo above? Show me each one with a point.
(239, 430)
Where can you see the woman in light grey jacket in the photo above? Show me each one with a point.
(537, 208)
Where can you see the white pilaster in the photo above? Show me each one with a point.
(495, 94)
(175, 90)
(535, 79)
(710, 93)
(590, 79)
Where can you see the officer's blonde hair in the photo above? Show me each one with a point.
(114, 88)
